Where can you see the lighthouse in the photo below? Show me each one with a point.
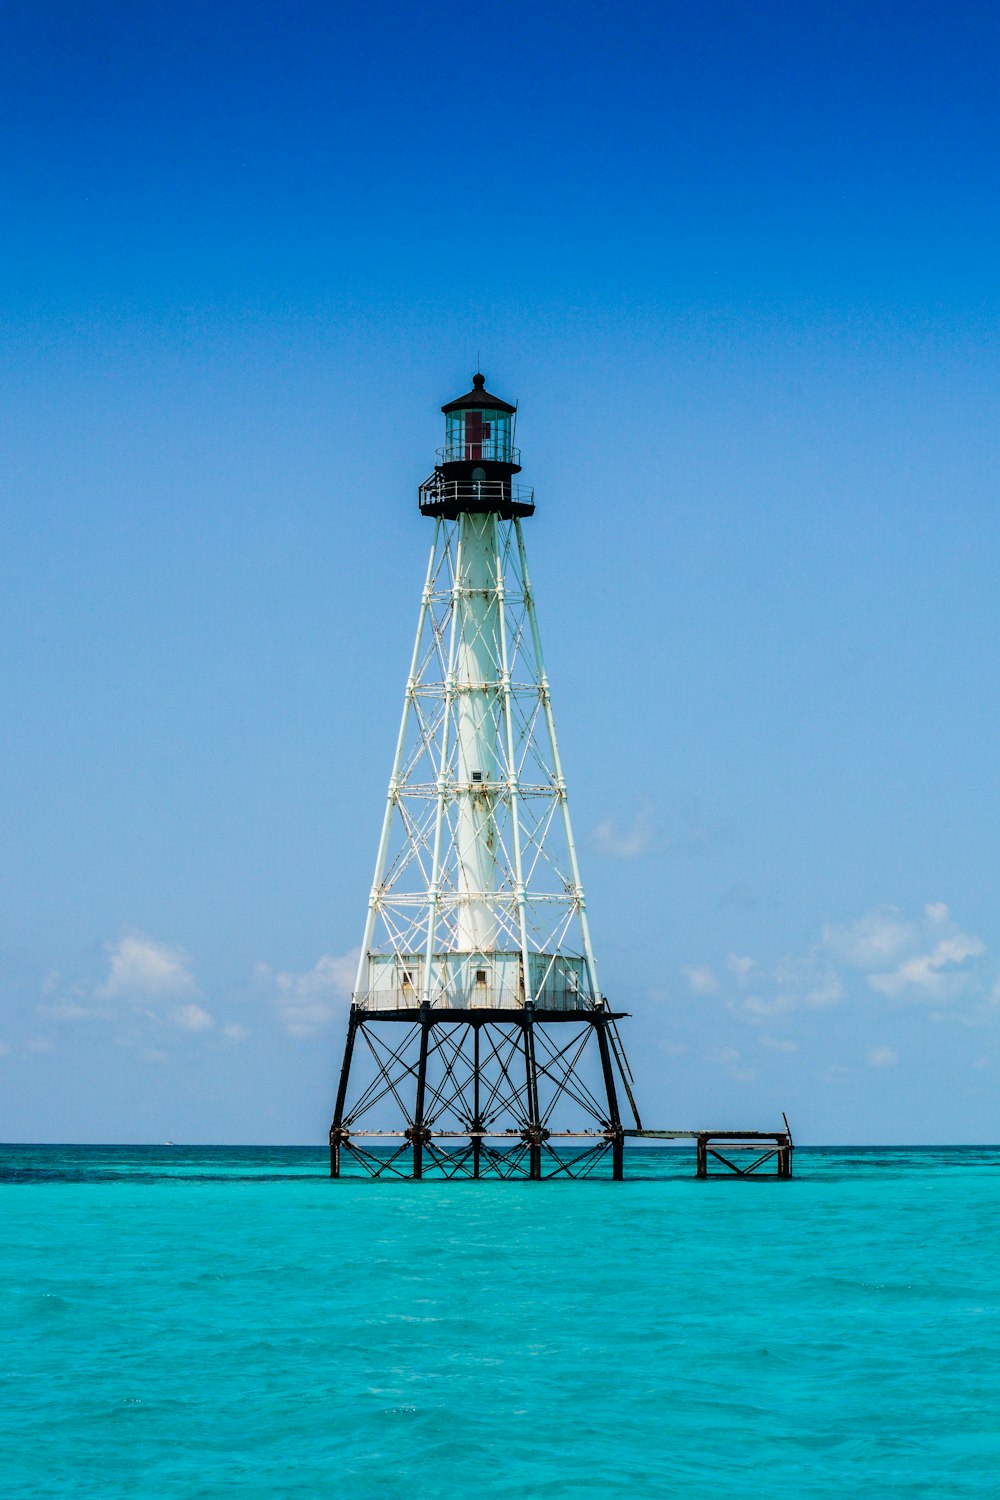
(479, 1042)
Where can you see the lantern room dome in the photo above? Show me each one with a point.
(479, 396)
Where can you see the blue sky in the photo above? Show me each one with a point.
(739, 266)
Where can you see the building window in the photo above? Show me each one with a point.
(480, 976)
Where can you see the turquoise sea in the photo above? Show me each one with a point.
(228, 1322)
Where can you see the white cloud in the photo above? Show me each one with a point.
(757, 1008)
(142, 968)
(935, 975)
(69, 1009)
(922, 960)
(149, 986)
(927, 959)
(779, 1044)
(810, 983)
(192, 1018)
(307, 1002)
(627, 843)
(40, 1044)
(873, 941)
(235, 1033)
(882, 1057)
(723, 1055)
(827, 989)
(4, 1049)
(674, 1049)
(702, 980)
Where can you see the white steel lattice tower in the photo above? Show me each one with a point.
(477, 954)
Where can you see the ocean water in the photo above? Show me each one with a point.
(228, 1322)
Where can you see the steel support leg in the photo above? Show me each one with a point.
(477, 1124)
(337, 1128)
(419, 1128)
(531, 1078)
(614, 1119)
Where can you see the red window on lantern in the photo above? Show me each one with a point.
(477, 433)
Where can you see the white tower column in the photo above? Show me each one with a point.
(477, 726)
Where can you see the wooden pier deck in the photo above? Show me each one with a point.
(720, 1146)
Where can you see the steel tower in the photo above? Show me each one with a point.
(477, 1021)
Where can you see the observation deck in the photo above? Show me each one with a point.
(440, 495)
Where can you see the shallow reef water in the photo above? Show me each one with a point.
(207, 1322)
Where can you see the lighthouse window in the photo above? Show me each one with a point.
(406, 977)
(477, 775)
(477, 435)
(473, 436)
(480, 976)
(500, 430)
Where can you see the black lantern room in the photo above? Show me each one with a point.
(478, 461)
